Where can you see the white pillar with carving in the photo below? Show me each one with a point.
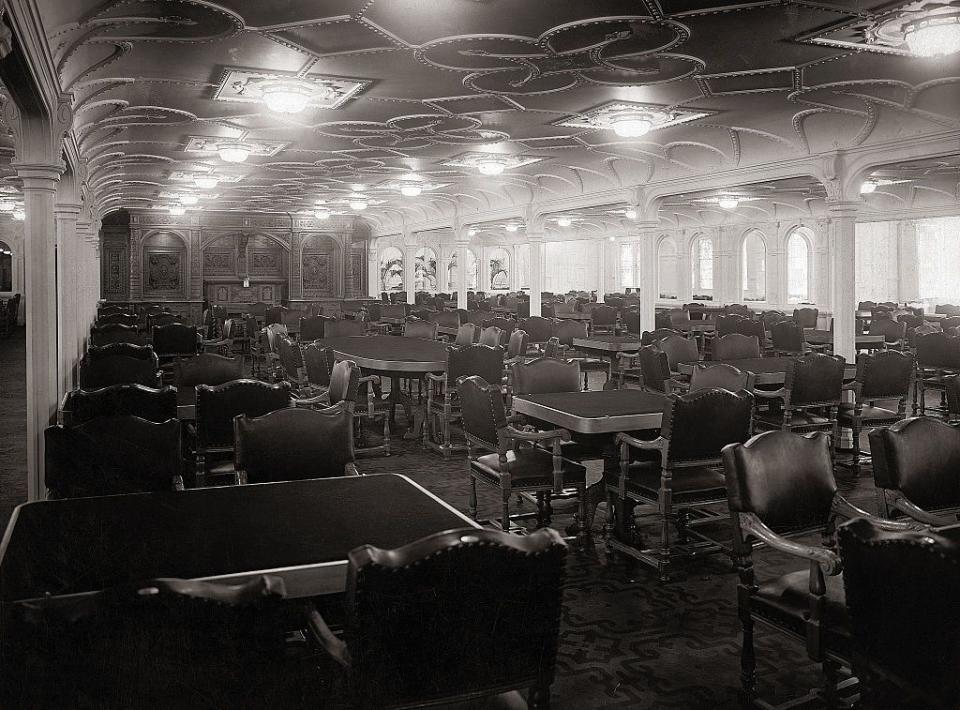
(373, 269)
(69, 260)
(535, 238)
(843, 223)
(410, 266)
(601, 268)
(462, 242)
(647, 276)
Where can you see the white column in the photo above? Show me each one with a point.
(822, 273)
(462, 275)
(69, 259)
(843, 221)
(908, 272)
(410, 266)
(373, 270)
(647, 278)
(601, 268)
(726, 270)
(536, 271)
(40, 296)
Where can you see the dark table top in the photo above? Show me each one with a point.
(390, 354)
(825, 337)
(301, 531)
(594, 412)
(608, 343)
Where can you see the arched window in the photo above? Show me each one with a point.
(702, 261)
(667, 282)
(453, 270)
(798, 266)
(627, 265)
(499, 270)
(6, 267)
(425, 270)
(753, 267)
(391, 269)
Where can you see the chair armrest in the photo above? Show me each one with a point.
(335, 647)
(312, 401)
(657, 444)
(436, 378)
(827, 560)
(672, 385)
(178, 483)
(777, 394)
(920, 515)
(350, 469)
(374, 379)
(841, 506)
(561, 434)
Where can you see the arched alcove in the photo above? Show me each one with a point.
(320, 267)
(165, 266)
(668, 281)
(799, 265)
(499, 270)
(425, 270)
(753, 267)
(391, 269)
(701, 262)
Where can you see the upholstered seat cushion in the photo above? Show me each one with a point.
(528, 467)
(786, 600)
(845, 413)
(689, 484)
(774, 420)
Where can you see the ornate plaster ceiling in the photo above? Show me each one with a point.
(438, 80)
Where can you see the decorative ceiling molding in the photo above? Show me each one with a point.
(245, 86)
(209, 144)
(601, 117)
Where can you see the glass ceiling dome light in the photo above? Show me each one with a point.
(19, 215)
(321, 214)
(491, 166)
(188, 199)
(564, 221)
(728, 203)
(410, 189)
(205, 182)
(512, 227)
(358, 204)
(286, 95)
(933, 35)
(176, 210)
(868, 186)
(233, 152)
(631, 125)
(630, 214)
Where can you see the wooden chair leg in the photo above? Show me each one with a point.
(505, 524)
(473, 498)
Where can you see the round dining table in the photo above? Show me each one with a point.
(395, 357)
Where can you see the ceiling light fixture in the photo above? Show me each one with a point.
(176, 210)
(286, 96)
(868, 186)
(491, 166)
(19, 215)
(358, 204)
(728, 203)
(322, 214)
(7, 206)
(357, 187)
(611, 239)
(564, 221)
(471, 232)
(188, 199)
(512, 226)
(631, 125)
(410, 190)
(205, 182)
(630, 214)
(933, 35)
(233, 152)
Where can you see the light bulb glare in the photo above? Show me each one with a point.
(358, 205)
(491, 167)
(19, 215)
(512, 227)
(728, 203)
(934, 35)
(410, 190)
(205, 182)
(868, 186)
(188, 199)
(176, 210)
(564, 221)
(322, 214)
(286, 96)
(233, 152)
(632, 127)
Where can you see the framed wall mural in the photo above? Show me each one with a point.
(164, 272)
(391, 269)
(425, 270)
(499, 270)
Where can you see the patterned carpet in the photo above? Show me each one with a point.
(627, 640)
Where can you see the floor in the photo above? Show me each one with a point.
(627, 639)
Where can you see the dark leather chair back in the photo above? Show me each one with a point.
(806, 317)
(161, 318)
(274, 314)
(885, 374)
(292, 444)
(539, 330)
(420, 329)
(952, 386)
(483, 360)
(893, 331)
(661, 319)
(631, 320)
(603, 316)
(290, 356)
(650, 337)
(491, 336)
(545, 375)
(517, 344)
(207, 369)
(119, 364)
(921, 458)
(101, 335)
(467, 334)
(787, 336)
(419, 592)
(735, 346)
(312, 328)
(111, 456)
(175, 339)
(784, 478)
(679, 348)
(344, 382)
(754, 328)
(720, 376)
(699, 424)
(344, 328)
(446, 319)
(566, 330)
(153, 405)
(654, 367)
(938, 350)
(217, 405)
(770, 318)
(901, 594)
(507, 325)
(728, 324)
(121, 318)
(481, 406)
(319, 362)
(815, 379)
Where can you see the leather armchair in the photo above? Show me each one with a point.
(735, 346)
(538, 468)
(109, 333)
(719, 376)
(153, 405)
(787, 338)
(204, 369)
(566, 331)
(811, 396)
(938, 357)
(676, 473)
(119, 364)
